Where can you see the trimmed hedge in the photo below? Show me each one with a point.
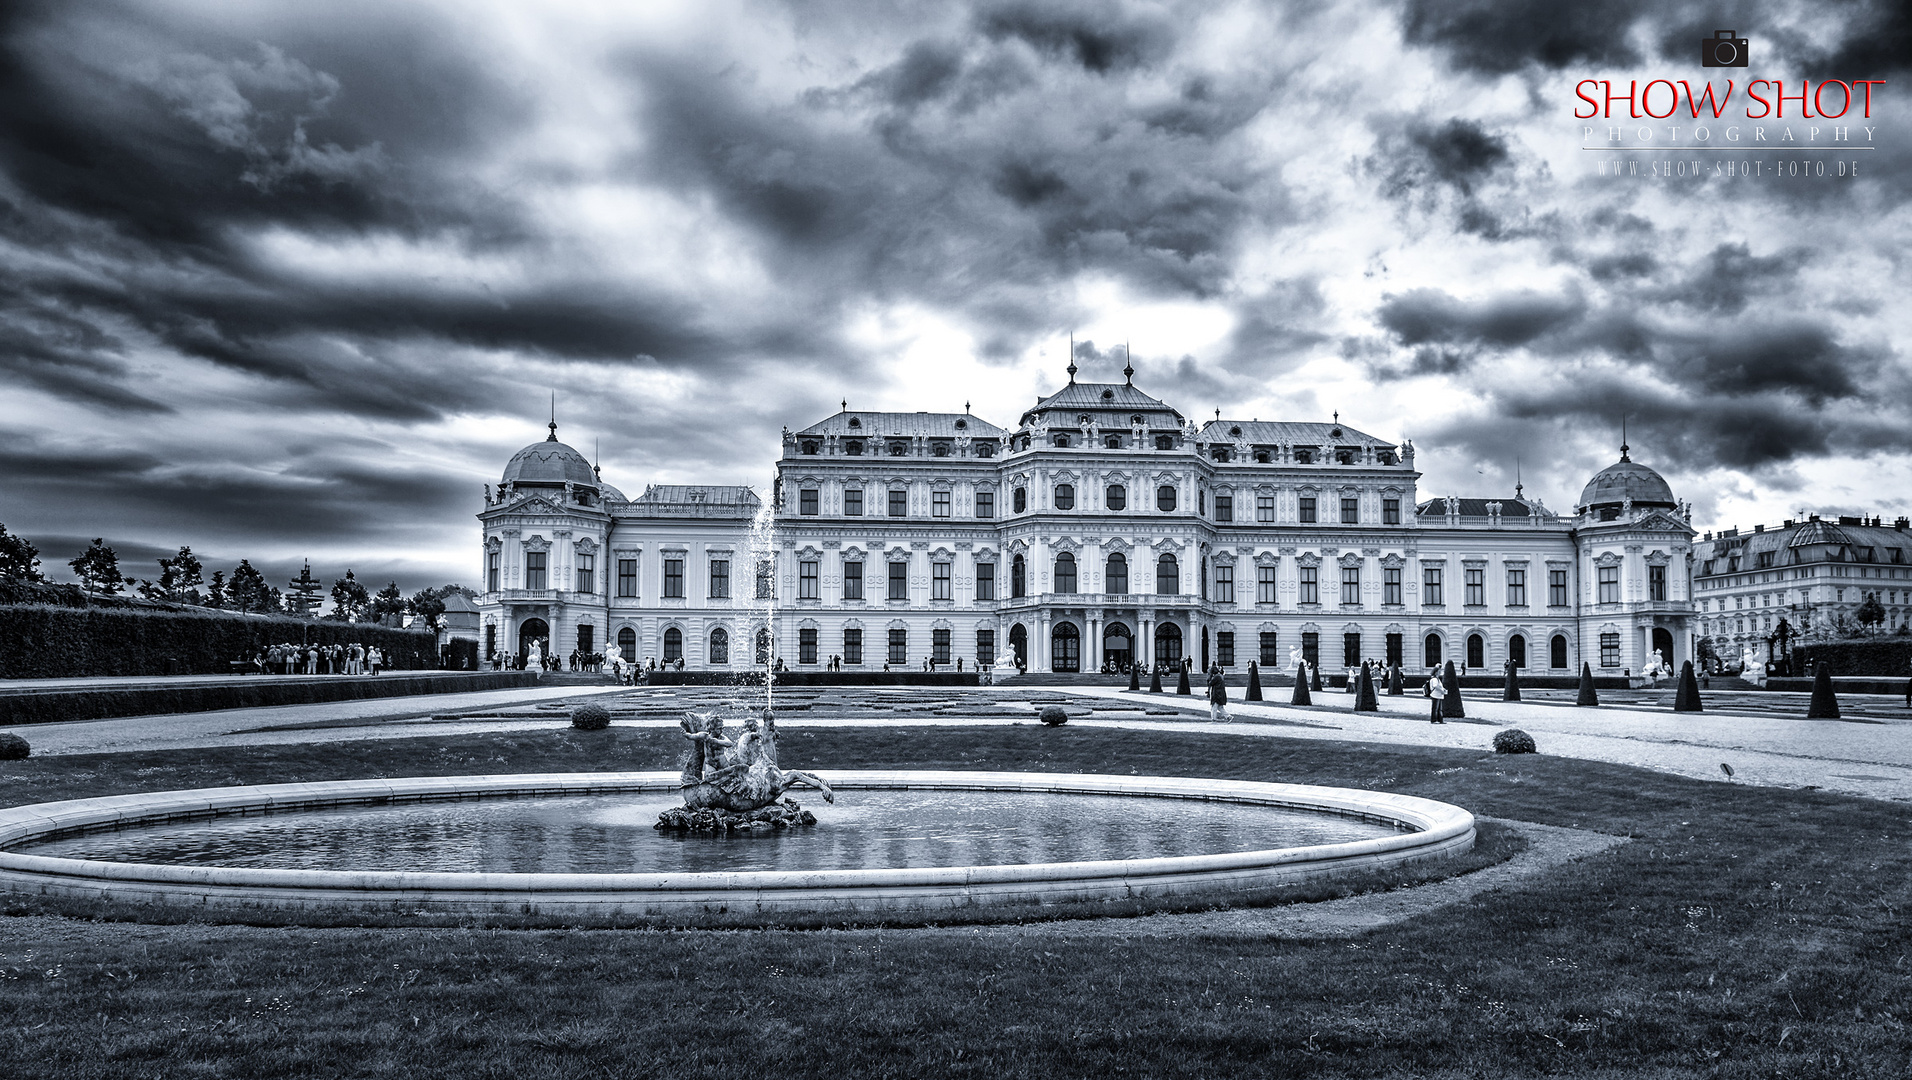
(41, 641)
(1889, 656)
(1513, 741)
(13, 747)
(590, 716)
(1054, 715)
(20, 706)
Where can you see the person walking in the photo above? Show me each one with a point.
(1437, 695)
(1217, 695)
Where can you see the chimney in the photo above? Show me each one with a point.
(1759, 528)
(1790, 523)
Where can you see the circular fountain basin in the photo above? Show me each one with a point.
(897, 847)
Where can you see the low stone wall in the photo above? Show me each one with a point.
(878, 895)
(42, 705)
(815, 678)
(1846, 684)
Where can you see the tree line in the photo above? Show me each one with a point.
(182, 580)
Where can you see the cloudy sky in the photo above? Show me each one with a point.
(289, 280)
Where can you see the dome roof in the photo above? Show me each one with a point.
(549, 462)
(1627, 479)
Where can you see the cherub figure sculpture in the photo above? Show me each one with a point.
(740, 774)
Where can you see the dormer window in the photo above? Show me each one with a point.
(1083, 420)
(1345, 457)
(985, 449)
(854, 448)
(1108, 395)
(855, 423)
(1263, 457)
(809, 447)
(899, 448)
(939, 450)
(1113, 442)
(1165, 442)
(1062, 440)
(1335, 434)
(1135, 421)
(1304, 457)
(1219, 452)
(1235, 432)
(962, 425)
(1385, 457)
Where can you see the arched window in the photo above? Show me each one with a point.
(1018, 577)
(1113, 442)
(1115, 577)
(1116, 497)
(1065, 573)
(1557, 651)
(1476, 651)
(627, 644)
(1168, 576)
(1020, 500)
(1065, 648)
(1431, 652)
(720, 646)
(1517, 650)
(673, 644)
(1062, 439)
(1165, 497)
(1065, 496)
(763, 646)
(1019, 643)
(1168, 643)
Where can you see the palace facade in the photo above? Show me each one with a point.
(1812, 576)
(1102, 528)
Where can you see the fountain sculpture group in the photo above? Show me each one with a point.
(735, 784)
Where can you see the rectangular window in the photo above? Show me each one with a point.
(1390, 511)
(807, 501)
(939, 581)
(806, 645)
(939, 504)
(1609, 650)
(1656, 582)
(1351, 650)
(491, 573)
(1556, 588)
(1350, 511)
(1391, 586)
(1476, 587)
(1264, 508)
(587, 573)
(1350, 586)
(674, 578)
(720, 579)
(1609, 584)
(985, 647)
(985, 581)
(1270, 648)
(1311, 648)
(587, 638)
(1307, 509)
(766, 579)
(1224, 584)
(627, 577)
(853, 580)
(534, 567)
(1225, 647)
(985, 504)
(1224, 508)
(899, 646)
(853, 646)
(899, 581)
(939, 646)
(899, 502)
(1310, 585)
(807, 580)
(1431, 586)
(1516, 588)
(853, 502)
(1264, 584)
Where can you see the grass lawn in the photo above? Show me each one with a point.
(1746, 932)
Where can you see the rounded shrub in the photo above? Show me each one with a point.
(13, 747)
(1054, 715)
(590, 716)
(1513, 741)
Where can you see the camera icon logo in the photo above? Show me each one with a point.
(1724, 50)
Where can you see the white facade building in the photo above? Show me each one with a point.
(1103, 528)
(1812, 576)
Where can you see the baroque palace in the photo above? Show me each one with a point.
(1103, 529)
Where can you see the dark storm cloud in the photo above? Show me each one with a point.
(1732, 274)
(1430, 315)
(1500, 36)
(1099, 36)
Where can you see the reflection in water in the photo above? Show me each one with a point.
(613, 834)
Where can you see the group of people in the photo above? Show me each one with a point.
(293, 659)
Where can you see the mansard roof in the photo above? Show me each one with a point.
(1291, 433)
(697, 494)
(881, 425)
(1509, 508)
(1114, 397)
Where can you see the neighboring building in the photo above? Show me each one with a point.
(461, 620)
(1102, 528)
(1813, 574)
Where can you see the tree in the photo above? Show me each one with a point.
(389, 605)
(248, 590)
(216, 590)
(179, 580)
(304, 599)
(98, 568)
(19, 559)
(349, 599)
(1871, 613)
(429, 604)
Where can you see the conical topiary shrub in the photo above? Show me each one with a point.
(1588, 696)
(1155, 680)
(1302, 697)
(1687, 697)
(1510, 690)
(1181, 682)
(1451, 707)
(1254, 682)
(1135, 678)
(1825, 706)
(1364, 700)
(1314, 677)
(1397, 685)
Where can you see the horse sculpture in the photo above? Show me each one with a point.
(740, 774)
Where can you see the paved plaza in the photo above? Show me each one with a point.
(1868, 754)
